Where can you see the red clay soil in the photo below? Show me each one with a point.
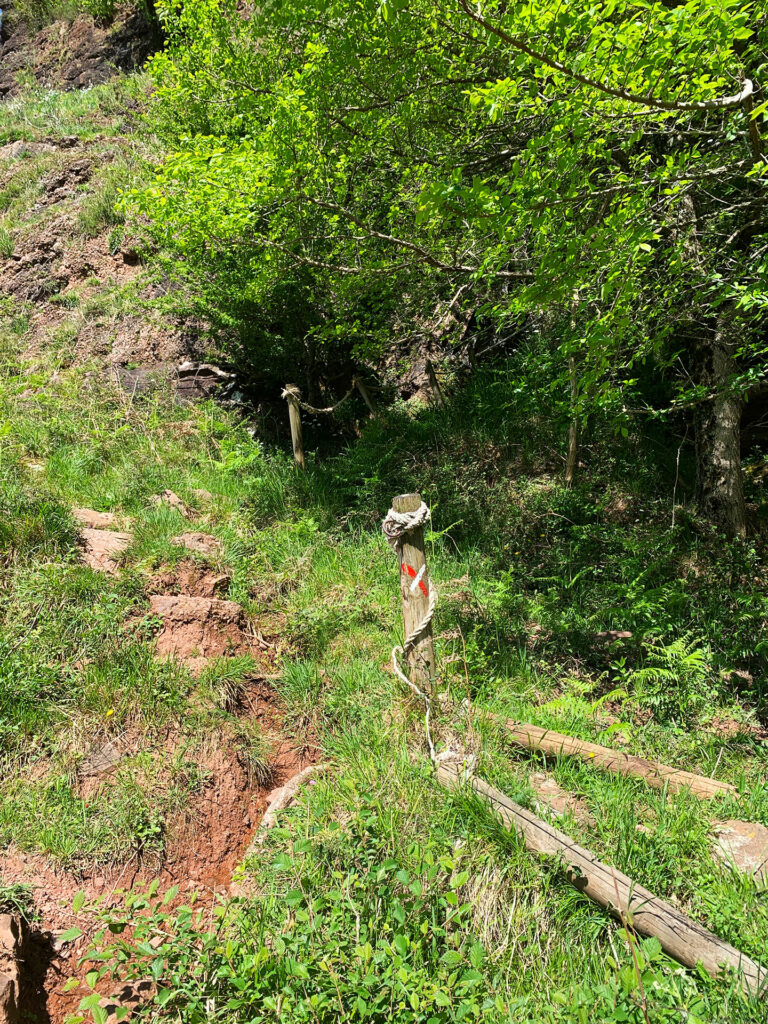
(205, 846)
(197, 629)
(192, 579)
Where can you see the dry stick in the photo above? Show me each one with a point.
(533, 737)
(680, 937)
(414, 587)
(434, 384)
(366, 396)
(290, 394)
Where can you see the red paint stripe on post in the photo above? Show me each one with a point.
(412, 573)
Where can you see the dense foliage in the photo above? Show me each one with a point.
(591, 174)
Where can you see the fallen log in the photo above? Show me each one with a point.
(685, 940)
(533, 737)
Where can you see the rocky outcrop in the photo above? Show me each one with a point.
(13, 938)
(74, 55)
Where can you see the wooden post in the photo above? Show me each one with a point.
(434, 384)
(291, 393)
(656, 774)
(414, 587)
(636, 907)
(366, 396)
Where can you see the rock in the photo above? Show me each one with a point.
(202, 495)
(201, 543)
(94, 520)
(75, 54)
(743, 845)
(13, 936)
(172, 501)
(101, 548)
(101, 760)
(9, 1009)
(551, 798)
(196, 629)
(200, 380)
(20, 149)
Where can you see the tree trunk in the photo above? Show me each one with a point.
(717, 421)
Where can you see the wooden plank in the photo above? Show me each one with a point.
(680, 937)
(414, 588)
(533, 737)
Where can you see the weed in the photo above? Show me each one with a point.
(17, 898)
(7, 244)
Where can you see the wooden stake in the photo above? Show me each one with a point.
(636, 907)
(414, 587)
(434, 384)
(658, 775)
(366, 396)
(294, 415)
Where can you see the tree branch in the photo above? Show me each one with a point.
(622, 94)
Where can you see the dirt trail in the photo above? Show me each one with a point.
(210, 839)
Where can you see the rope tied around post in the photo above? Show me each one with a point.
(397, 527)
(291, 391)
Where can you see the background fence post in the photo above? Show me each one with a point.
(294, 414)
(415, 594)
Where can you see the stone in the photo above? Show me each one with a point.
(197, 629)
(13, 933)
(200, 543)
(20, 149)
(171, 500)
(101, 760)
(743, 845)
(94, 520)
(102, 548)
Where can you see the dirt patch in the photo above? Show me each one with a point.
(99, 257)
(199, 544)
(196, 629)
(192, 580)
(33, 272)
(64, 181)
(172, 500)
(556, 801)
(102, 548)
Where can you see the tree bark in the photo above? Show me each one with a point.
(717, 424)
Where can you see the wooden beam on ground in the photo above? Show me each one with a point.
(533, 737)
(639, 909)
